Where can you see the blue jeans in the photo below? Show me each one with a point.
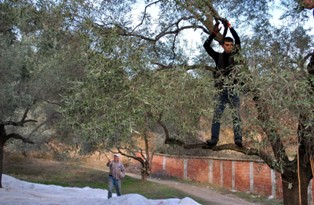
(227, 96)
(116, 183)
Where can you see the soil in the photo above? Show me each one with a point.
(207, 194)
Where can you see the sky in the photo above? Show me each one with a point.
(17, 192)
(194, 37)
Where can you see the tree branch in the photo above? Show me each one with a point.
(164, 127)
(166, 31)
(244, 150)
(306, 57)
(207, 11)
(271, 132)
(139, 159)
(192, 8)
(146, 157)
(21, 122)
(187, 67)
(19, 137)
(145, 9)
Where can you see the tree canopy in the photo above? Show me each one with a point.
(139, 70)
(115, 72)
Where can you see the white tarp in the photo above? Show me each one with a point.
(17, 192)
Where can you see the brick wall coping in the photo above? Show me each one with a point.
(211, 157)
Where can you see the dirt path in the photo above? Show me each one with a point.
(207, 194)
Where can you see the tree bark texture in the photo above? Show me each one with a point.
(2, 141)
(1, 162)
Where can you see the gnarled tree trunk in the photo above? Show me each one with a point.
(2, 141)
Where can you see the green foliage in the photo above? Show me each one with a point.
(113, 76)
(113, 102)
(40, 53)
(125, 91)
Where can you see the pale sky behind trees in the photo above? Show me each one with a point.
(195, 38)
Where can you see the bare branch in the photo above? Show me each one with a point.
(37, 128)
(164, 127)
(176, 31)
(139, 159)
(247, 151)
(19, 137)
(173, 141)
(21, 122)
(244, 150)
(148, 5)
(207, 11)
(147, 156)
(192, 8)
(187, 67)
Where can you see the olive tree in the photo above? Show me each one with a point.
(142, 76)
(38, 58)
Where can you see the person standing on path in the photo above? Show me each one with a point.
(116, 173)
(225, 81)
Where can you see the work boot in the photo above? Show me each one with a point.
(238, 142)
(212, 142)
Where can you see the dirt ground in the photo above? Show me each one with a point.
(207, 194)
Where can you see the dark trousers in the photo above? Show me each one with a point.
(116, 183)
(223, 97)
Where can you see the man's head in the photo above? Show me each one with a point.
(116, 157)
(227, 44)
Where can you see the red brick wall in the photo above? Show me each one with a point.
(157, 164)
(230, 174)
(197, 170)
(262, 179)
(242, 176)
(216, 173)
(174, 166)
(227, 174)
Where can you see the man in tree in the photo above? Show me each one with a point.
(224, 82)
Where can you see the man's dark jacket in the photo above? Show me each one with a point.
(224, 61)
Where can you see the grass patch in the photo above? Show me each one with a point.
(152, 190)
